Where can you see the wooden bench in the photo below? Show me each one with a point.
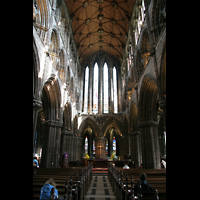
(121, 180)
(72, 182)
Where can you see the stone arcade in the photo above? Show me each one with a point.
(123, 113)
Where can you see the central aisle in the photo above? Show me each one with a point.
(100, 189)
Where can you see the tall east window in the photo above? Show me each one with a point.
(95, 89)
(106, 86)
(115, 89)
(105, 76)
(86, 90)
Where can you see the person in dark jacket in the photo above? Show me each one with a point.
(146, 187)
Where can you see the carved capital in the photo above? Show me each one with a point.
(52, 123)
(66, 132)
(148, 123)
(162, 103)
(134, 132)
(37, 104)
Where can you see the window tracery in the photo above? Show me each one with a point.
(106, 85)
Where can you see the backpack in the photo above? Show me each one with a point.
(46, 192)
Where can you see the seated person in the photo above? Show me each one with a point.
(163, 163)
(146, 187)
(35, 162)
(125, 166)
(46, 189)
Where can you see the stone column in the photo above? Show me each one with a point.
(77, 148)
(150, 144)
(124, 146)
(135, 147)
(100, 89)
(36, 106)
(162, 105)
(67, 143)
(100, 142)
(51, 144)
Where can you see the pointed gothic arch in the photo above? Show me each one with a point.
(148, 123)
(51, 98)
(115, 123)
(148, 99)
(91, 123)
(52, 123)
(67, 117)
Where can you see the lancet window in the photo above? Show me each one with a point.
(109, 89)
(86, 90)
(105, 73)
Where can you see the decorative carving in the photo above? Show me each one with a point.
(85, 4)
(52, 123)
(148, 123)
(87, 21)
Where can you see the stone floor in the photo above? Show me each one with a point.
(100, 189)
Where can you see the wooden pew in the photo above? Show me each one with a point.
(121, 180)
(76, 178)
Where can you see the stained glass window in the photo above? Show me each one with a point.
(106, 147)
(86, 144)
(95, 89)
(86, 90)
(93, 147)
(115, 89)
(114, 144)
(105, 75)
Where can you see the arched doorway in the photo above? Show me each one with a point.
(89, 129)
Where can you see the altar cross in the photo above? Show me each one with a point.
(100, 147)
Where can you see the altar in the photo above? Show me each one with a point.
(100, 163)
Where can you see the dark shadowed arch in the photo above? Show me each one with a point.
(112, 123)
(92, 124)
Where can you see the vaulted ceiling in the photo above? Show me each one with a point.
(100, 25)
